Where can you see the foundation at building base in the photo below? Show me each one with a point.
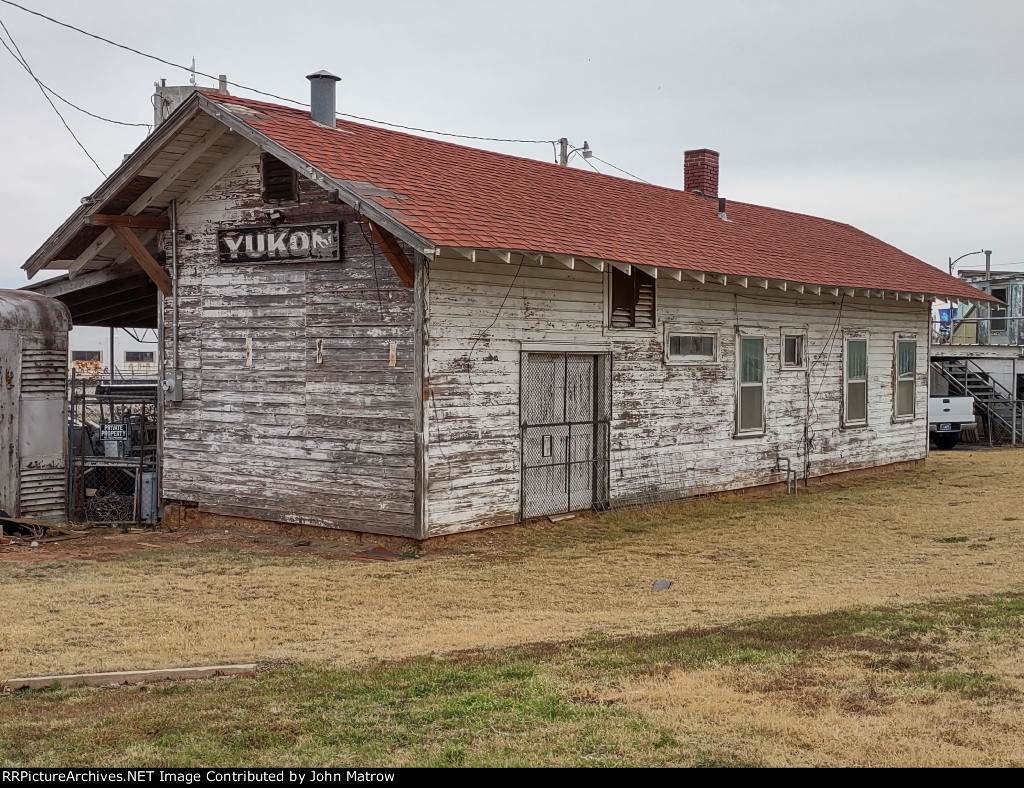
(182, 515)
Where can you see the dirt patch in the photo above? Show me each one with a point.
(105, 544)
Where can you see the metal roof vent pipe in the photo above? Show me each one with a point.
(323, 97)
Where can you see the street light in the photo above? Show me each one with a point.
(988, 259)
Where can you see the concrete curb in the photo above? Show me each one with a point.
(127, 677)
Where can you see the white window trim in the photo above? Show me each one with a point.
(897, 338)
(846, 422)
(607, 329)
(792, 331)
(676, 329)
(760, 433)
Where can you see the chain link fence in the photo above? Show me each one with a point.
(113, 451)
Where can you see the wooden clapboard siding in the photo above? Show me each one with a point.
(665, 418)
(289, 439)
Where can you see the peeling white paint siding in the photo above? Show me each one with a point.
(680, 414)
(318, 430)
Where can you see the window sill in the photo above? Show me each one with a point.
(746, 435)
(858, 426)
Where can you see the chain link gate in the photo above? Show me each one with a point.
(112, 446)
(565, 410)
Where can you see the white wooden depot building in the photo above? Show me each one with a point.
(368, 330)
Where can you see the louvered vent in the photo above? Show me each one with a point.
(280, 183)
(43, 371)
(633, 299)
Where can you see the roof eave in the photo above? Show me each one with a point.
(704, 276)
(181, 116)
(346, 193)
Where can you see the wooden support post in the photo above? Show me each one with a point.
(393, 251)
(143, 258)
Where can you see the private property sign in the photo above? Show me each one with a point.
(294, 243)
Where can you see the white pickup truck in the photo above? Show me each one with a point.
(947, 417)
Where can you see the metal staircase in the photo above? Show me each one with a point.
(998, 413)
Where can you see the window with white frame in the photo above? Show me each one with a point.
(793, 349)
(750, 386)
(906, 376)
(683, 346)
(855, 382)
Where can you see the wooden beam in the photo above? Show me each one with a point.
(626, 268)
(188, 158)
(214, 174)
(393, 251)
(91, 279)
(597, 265)
(141, 222)
(143, 258)
(833, 290)
(762, 283)
(567, 260)
(781, 284)
(696, 275)
(126, 255)
(90, 252)
(155, 190)
(502, 254)
(741, 281)
(673, 273)
(650, 270)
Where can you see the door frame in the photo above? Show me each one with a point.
(601, 487)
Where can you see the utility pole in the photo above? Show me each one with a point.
(563, 152)
(988, 265)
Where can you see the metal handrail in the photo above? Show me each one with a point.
(1016, 405)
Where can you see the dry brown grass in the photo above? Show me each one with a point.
(870, 543)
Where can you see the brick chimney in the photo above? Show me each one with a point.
(700, 172)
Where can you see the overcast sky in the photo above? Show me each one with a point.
(903, 118)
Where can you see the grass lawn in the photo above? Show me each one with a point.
(925, 685)
(874, 622)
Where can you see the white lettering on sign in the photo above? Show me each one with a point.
(114, 432)
(284, 243)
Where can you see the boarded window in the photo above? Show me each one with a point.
(280, 182)
(856, 374)
(85, 355)
(906, 373)
(633, 303)
(750, 409)
(139, 356)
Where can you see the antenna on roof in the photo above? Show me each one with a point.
(192, 79)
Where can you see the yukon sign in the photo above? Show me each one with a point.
(296, 243)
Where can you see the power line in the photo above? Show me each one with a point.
(58, 96)
(256, 90)
(21, 59)
(624, 172)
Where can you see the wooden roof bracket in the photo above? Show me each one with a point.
(393, 251)
(142, 256)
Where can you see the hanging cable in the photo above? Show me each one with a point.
(624, 172)
(257, 91)
(24, 63)
(58, 96)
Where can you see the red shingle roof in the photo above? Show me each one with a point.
(458, 196)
